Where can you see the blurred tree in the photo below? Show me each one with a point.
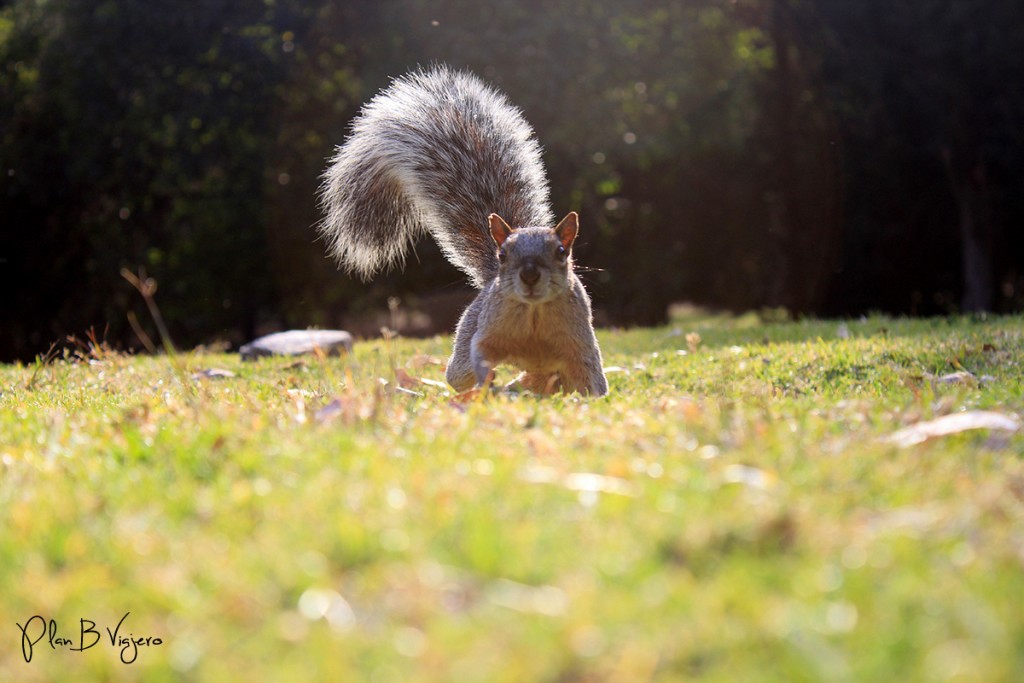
(819, 155)
(141, 134)
(703, 165)
(928, 93)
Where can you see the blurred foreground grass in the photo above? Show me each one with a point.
(733, 511)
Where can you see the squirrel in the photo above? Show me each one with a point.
(439, 151)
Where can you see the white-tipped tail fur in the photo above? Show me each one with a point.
(438, 151)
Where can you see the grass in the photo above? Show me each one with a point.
(733, 511)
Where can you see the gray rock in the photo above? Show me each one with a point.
(298, 342)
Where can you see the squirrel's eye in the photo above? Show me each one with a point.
(560, 252)
(501, 255)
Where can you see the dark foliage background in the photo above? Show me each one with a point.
(825, 156)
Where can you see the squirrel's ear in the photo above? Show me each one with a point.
(500, 230)
(568, 229)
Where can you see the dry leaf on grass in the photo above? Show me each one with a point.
(330, 411)
(961, 377)
(213, 373)
(952, 424)
(407, 381)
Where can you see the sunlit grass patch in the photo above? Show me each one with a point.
(735, 509)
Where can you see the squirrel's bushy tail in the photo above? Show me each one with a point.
(437, 151)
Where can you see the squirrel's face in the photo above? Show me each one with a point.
(534, 263)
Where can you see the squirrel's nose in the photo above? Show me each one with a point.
(529, 274)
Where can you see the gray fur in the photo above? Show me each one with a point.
(442, 153)
(437, 152)
(540, 323)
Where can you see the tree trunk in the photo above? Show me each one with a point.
(977, 233)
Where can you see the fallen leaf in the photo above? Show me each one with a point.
(961, 377)
(405, 380)
(952, 424)
(408, 382)
(330, 411)
(461, 401)
(213, 373)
